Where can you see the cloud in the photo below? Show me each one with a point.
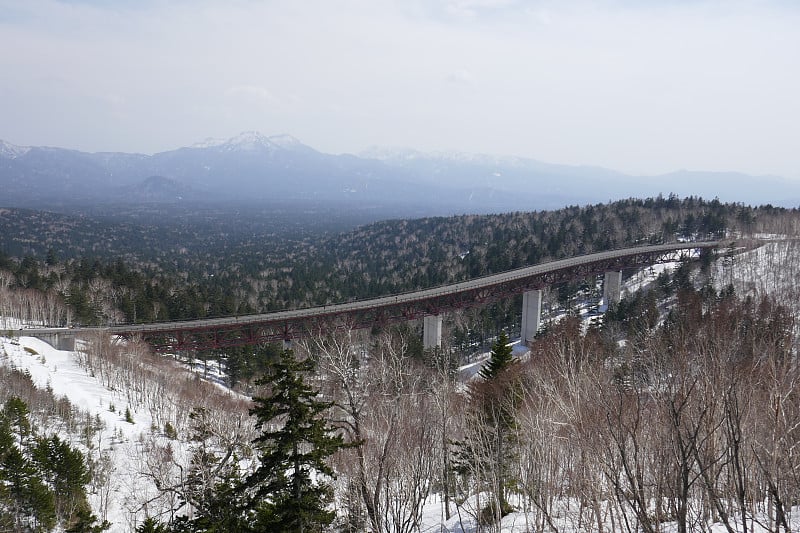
(472, 9)
(639, 86)
(460, 77)
(251, 93)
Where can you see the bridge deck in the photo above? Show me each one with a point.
(252, 329)
(425, 294)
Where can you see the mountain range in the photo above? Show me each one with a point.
(255, 168)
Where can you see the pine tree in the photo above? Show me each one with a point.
(16, 411)
(86, 522)
(42, 479)
(28, 499)
(64, 469)
(293, 448)
(502, 357)
(151, 525)
(493, 398)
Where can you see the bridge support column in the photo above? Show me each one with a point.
(612, 285)
(531, 315)
(59, 340)
(432, 332)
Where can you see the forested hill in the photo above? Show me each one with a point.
(127, 267)
(397, 255)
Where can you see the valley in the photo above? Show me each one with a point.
(167, 438)
(440, 266)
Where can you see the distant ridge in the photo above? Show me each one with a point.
(252, 167)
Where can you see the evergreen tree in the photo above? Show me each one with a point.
(151, 525)
(288, 488)
(64, 469)
(16, 411)
(502, 357)
(6, 436)
(42, 479)
(86, 522)
(224, 509)
(493, 398)
(29, 501)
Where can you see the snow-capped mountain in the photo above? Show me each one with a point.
(253, 140)
(12, 151)
(253, 167)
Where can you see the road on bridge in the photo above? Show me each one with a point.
(211, 333)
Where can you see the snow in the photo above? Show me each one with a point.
(251, 141)
(564, 514)
(285, 141)
(391, 153)
(60, 371)
(9, 323)
(403, 154)
(643, 278)
(12, 151)
(209, 142)
(119, 439)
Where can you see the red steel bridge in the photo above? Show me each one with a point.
(215, 333)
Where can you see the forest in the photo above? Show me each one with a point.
(678, 410)
(223, 263)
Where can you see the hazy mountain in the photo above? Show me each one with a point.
(557, 185)
(546, 185)
(252, 167)
(159, 189)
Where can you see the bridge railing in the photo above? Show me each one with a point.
(409, 297)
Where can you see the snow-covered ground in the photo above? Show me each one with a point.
(130, 452)
(565, 521)
(118, 439)
(772, 269)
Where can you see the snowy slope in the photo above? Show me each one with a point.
(12, 151)
(131, 457)
(118, 441)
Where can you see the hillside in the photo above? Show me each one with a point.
(141, 466)
(129, 413)
(182, 263)
(694, 352)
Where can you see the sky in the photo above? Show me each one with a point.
(643, 87)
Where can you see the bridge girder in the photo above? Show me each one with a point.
(184, 337)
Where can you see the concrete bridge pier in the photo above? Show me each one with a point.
(432, 332)
(612, 285)
(531, 315)
(60, 340)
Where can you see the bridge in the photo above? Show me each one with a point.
(428, 304)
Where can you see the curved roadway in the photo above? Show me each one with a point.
(396, 299)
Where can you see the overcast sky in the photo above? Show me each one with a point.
(640, 86)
